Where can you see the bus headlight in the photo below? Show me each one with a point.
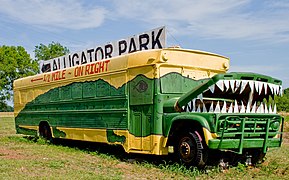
(275, 125)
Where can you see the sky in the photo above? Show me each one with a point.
(254, 34)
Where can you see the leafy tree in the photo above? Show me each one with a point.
(55, 49)
(286, 92)
(283, 102)
(15, 62)
(6, 108)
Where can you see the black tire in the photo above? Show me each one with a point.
(190, 151)
(257, 156)
(45, 132)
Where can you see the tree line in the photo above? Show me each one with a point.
(16, 63)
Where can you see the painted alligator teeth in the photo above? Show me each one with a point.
(218, 109)
(211, 107)
(199, 109)
(223, 107)
(248, 109)
(236, 96)
(260, 87)
(194, 105)
(260, 109)
(200, 96)
(251, 84)
(275, 109)
(204, 108)
(266, 109)
(230, 108)
(236, 110)
(227, 85)
(254, 108)
(243, 85)
(212, 89)
(220, 85)
(232, 84)
(256, 86)
(265, 88)
(242, 108)
(270, 110)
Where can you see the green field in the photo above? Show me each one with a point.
(29, 158)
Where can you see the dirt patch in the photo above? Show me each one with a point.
(286, 137)
(286, 133)
(11, 154)
(286, 127)
(123, 166)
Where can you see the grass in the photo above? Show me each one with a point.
(29, 158)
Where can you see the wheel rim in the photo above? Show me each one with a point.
(186, 149)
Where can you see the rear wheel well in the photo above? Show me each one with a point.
(44, 130)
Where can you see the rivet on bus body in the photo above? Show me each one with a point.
(225, 65)
(164, 57)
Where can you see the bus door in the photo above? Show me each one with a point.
(141, 92)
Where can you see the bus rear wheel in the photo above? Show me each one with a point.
(45, 132)
(190, 151)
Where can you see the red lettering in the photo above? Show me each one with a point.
(106, 64)
(75, 72)
(81, 71)
(96, 68)
(57, 75)
(92, 69)
(101, 66)
(46, 78)
(63, 74)
(78, 71)
(53, 76)
(87, 67)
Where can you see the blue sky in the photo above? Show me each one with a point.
(254, 34)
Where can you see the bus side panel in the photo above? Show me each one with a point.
(75, 109)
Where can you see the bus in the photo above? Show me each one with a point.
(158, 101)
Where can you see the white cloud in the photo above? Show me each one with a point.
(226, 19)
(230, 19)
(67, 14)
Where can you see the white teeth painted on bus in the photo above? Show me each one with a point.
(217, 109)
(200, 97)
(212, 107)
(236, 96)
(224, 108)
(204, 108)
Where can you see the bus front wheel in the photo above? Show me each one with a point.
(190, 151)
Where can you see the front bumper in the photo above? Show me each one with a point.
(237, 144)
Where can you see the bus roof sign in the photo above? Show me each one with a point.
(154, 39)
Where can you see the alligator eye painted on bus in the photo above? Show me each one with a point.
(236, 96)
(141, 86)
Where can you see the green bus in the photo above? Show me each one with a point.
(157, 101)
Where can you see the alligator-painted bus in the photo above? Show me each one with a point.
(158, 101)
